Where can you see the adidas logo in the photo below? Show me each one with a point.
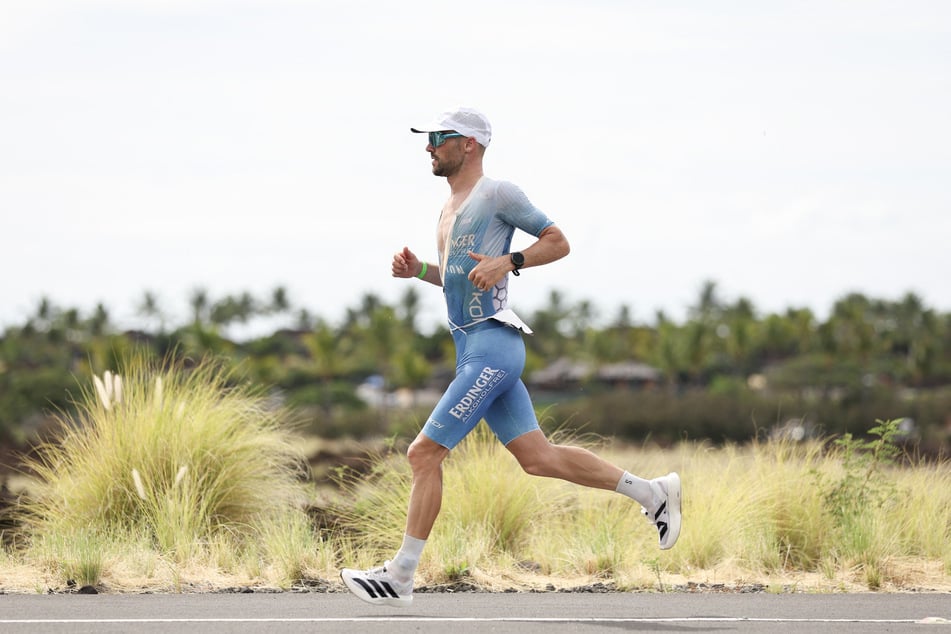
(661, 526)
(377, 589)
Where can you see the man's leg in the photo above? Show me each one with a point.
(425, 458)
(425, 499)
(392, 584)
(661, 497)
(539, 457)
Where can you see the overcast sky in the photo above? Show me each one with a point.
(792, 152)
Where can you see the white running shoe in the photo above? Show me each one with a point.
(377, 586)
(666, 517)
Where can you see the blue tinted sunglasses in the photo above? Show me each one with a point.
(438, 138)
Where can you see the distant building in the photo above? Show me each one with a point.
(567, 374)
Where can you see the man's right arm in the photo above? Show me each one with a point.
(406, 265)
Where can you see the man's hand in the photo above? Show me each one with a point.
(406, 264)
(550, 246)
(489, 271)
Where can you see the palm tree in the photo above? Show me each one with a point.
(804, 326)
(247, 307)
(412, 369)
(328, 354)
(304, 320)
(383, 336)
(150, 309)
(279, 301)
(851, 328)
(704, 331)
(45, 310)
(912, 334)
(361, 316)
(232, 309)
(224, 311)
(583, 316)
(777, 338)
(624, 317)
(708, 306)
(668, 355)
(409, 306)
(199, 304)
(99, 321)
(549, 341)
(740, 319)
(699, 340)
(45, 313)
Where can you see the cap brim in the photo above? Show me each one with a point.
(432, 126)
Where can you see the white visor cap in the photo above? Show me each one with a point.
(466, 121)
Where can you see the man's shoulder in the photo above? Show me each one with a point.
(494, 186)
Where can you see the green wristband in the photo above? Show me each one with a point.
(422, 271)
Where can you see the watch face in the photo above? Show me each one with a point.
(518, 259)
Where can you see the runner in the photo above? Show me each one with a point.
(474, 235)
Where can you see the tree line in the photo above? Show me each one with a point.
(723, 357)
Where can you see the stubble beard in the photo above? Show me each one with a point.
(445, 166)
(440, 170)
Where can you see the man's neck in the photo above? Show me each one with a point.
(465, 180)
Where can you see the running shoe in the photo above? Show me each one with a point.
(666, 516)
(377, 586)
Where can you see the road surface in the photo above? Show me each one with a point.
(465, 613)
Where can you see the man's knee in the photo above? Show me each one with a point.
(534, 466)
(425, 454)
(536, 457)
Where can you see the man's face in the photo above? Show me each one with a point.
(447, 156)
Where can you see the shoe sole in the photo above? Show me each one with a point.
(364, 592)
(673, 510)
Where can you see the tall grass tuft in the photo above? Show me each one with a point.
(78, 557)
(178, 458)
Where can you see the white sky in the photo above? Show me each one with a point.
(790, 151)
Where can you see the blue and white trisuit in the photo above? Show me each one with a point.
(490, 353)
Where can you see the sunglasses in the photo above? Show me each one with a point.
(438, 138)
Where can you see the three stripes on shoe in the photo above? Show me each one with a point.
(377, 589)
(661, 526)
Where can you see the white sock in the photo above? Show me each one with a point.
(638, 489)
(405, 562)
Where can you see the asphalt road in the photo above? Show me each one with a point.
(464, 613)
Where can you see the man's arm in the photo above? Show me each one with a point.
(406, 264)
(551, 245)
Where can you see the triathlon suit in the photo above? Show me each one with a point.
(490, 353)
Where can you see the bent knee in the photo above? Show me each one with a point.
(534, 468)
(534, 454)
(424, 454)
(536, 463)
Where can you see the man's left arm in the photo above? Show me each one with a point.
(551, 245)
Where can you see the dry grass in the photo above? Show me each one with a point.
(754, 515)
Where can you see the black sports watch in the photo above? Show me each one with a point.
(518, 261)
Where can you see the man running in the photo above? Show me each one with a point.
(474, 234)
